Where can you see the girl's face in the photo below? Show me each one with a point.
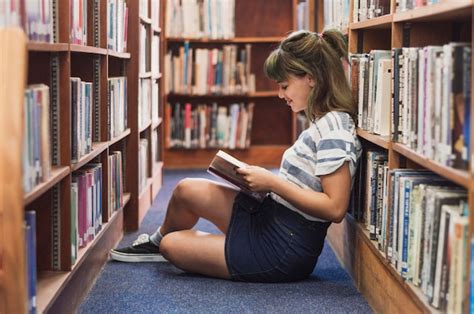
(295, 91)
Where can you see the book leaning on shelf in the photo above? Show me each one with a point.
(224, 165)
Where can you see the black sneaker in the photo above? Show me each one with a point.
(142, 250)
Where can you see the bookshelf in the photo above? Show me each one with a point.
(375, 277)
(273, 126)
(12, 84)
(64, 277)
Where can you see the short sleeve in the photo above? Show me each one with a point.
(333, 149)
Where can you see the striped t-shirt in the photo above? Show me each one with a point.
(321, 149)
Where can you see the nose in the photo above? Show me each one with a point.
(281, 93)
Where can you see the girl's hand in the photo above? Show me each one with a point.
(258, 179)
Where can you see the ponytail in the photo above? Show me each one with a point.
(337, 41)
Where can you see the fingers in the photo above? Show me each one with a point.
(243, 170)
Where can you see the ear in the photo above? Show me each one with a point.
(311, 81)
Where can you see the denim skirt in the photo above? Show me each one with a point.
(267, 242)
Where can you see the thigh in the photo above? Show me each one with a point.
(196, 252)
(207, 199)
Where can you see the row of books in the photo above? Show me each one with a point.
(148, 102)
(144, 64)
(213, 19)
(31, 262)
(79, 16)
(336, 14)
(405, 5)
(302, 15)
(423, 103)
(86, 206)
(420, 223)
(36, 140)
(209, 71)
(117, 23)
(155, 13)
(81, 118)
(115, 181)
(117, 106)
(203, 126)
(143, 164)
(370, 78)
(144, 102)
(434, 100)
(86, 215)
(369, 9)
(35, 17)
(155, 152)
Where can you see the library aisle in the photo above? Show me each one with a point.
(160, 287)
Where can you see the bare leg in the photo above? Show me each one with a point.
(191, 250)
(199, 198)
(196, 252)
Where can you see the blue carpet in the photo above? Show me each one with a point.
(162, 288)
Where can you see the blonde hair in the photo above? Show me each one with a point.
(321, 56)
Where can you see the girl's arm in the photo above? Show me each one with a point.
(329, 205)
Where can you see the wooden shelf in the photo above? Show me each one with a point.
(47, 47)
(119, 55)
(57, 174)
(65, 290)
(382, 141)
(145, 20)
(235, 40)
(120, 137)
(445, 10)
(145, 75)
(145, 127)
(88, 49)
(461, 177)
(156, 124)
(370, 270)
(97, 149)
(414, 292)
(261, 94)
(384, 21)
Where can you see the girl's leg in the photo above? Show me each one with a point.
(196, 252)
(191, 250)
(198, 198)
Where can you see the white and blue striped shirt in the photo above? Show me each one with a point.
(321, 149)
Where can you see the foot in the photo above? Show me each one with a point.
(142, 250)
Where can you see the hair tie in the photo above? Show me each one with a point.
(320, 35)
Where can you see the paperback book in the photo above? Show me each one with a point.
(224, 165)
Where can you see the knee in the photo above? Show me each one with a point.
(169, 246)
(187, 189)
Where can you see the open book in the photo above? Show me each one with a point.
(223, 166)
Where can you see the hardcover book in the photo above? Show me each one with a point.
(224, 166)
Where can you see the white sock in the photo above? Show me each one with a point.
(156, 237)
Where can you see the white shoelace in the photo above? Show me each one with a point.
(142, 238)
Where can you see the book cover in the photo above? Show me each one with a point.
(223, 166)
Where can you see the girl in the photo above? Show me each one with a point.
(280, 239)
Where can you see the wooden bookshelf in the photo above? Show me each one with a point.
(384, 21)
(273, 122)
(141, 201)
(374, 276)
(57, 174)
(382, 141)
(62, 284)
(13, 64)
(235, 40)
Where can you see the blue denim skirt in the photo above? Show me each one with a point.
(267, 242)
